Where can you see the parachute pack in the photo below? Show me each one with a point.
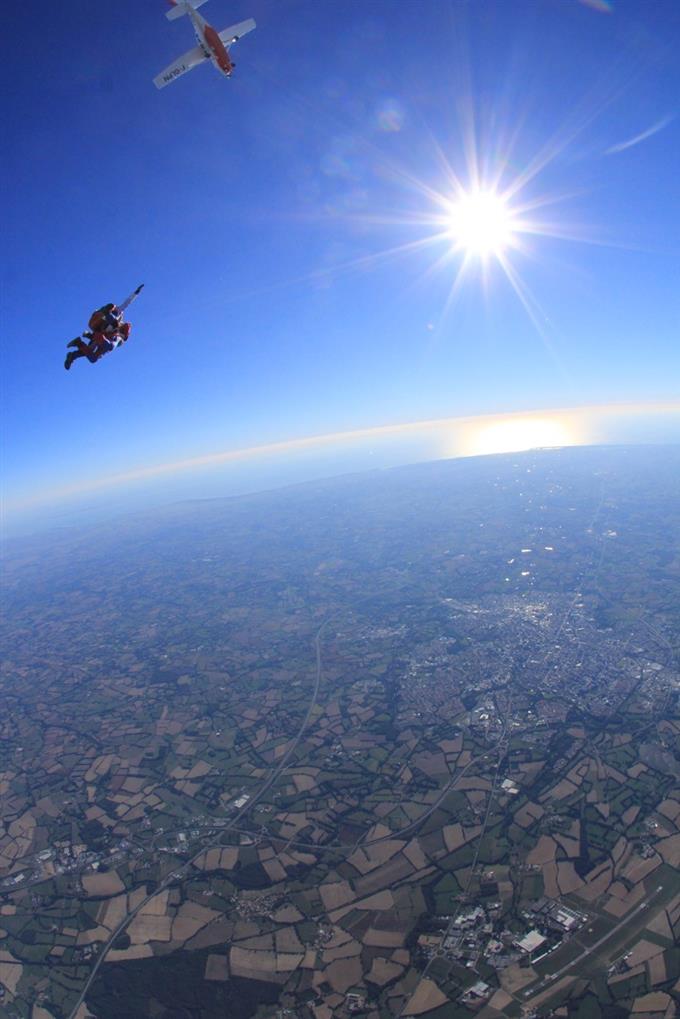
(98, 318)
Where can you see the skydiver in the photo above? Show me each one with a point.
(107, 330)
(98, 345)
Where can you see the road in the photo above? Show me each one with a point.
(552, 977)
(500, 749)
(184, 868)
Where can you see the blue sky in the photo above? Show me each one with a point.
(259, 213)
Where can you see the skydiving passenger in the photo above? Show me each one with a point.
(98, 344)
(107, 330)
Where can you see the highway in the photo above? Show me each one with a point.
(184, 868)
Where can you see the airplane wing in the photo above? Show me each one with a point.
(183, 64)
(234, 32)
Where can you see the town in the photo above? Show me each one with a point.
(452, 789)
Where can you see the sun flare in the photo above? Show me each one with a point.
(512, 433)
(481, 223)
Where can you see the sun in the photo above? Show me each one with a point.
(481, 223)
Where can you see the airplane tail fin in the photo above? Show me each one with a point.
(179, 8)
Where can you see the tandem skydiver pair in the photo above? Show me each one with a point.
(106, 331)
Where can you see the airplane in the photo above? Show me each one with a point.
(212, 45)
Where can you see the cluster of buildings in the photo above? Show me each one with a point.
(249, 906)
(65, 858)
(475, 996)
(14, 880)
(466, 936)
(555, 918)
(84, 954)
(324, 934)
(476, 934)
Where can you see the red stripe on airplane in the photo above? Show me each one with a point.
(218, 48)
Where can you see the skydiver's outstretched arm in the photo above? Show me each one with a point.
(128, 300)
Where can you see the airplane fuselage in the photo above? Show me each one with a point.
(211, 44)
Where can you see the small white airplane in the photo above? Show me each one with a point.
(212, 45)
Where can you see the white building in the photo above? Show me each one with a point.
(531, 941)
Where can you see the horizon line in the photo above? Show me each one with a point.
(318, 441)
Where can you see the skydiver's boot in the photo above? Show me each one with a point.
(70, 358)
(74, 343)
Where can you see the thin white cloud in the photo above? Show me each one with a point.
(602, 6)
(643, 136)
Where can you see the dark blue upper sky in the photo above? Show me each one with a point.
(262, 214)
